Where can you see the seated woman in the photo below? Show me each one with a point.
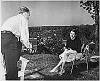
(72, 48)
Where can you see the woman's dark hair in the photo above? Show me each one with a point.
(23, 9)
(75, 30)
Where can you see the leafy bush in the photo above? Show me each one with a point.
(52, 36)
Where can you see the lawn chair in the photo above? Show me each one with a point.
(80, 56)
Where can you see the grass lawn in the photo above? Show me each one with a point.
(45, 62)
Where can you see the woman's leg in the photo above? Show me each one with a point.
(62, 68)
(63, 57)
(55, 68)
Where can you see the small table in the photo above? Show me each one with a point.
(23, 66)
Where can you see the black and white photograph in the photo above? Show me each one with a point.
(49, 40)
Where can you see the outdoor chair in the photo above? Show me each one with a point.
(83, 56)
(86, 54)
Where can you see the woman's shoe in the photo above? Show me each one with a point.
(54, 70)
(61, 72)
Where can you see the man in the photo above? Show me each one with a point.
(14, 33)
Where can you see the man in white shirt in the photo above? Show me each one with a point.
(14, 33)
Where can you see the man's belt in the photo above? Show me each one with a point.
(6, 32)
(10, 32)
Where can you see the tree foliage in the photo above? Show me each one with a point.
(93, 9)
(91, 6)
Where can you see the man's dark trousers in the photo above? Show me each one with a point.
(11, 49)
